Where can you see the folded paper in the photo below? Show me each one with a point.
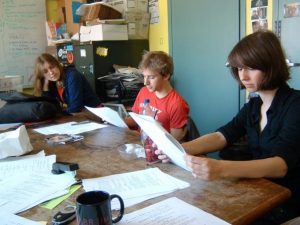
(14, 143)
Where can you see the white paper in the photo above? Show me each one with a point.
(135, 187)
(11, 219)
(171, 211)
(109, 115)
(21, 192)
(164, 140)
(14, 143)
(69, 128)
(15, 166)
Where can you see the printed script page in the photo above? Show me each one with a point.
(171, 211)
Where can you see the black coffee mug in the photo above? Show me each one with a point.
(94, 208)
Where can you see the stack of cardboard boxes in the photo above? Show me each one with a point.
(132, 23)
(101, 22)
(135, 13)
(105, 20)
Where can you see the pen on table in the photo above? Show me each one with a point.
(79, 123)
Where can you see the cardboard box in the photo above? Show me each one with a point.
(66, 13)
(129, 5)
(98, 10)
(72, 20)
(138, 25)
(103, 32)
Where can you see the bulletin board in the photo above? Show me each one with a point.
(22, 36)
(258, 15)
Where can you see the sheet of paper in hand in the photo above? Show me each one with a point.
(164, 140)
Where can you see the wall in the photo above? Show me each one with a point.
(158, 33)
(202, 37)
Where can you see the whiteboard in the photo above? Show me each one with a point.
(22, 36)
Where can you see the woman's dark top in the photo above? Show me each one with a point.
(77, 91)
(280, 137)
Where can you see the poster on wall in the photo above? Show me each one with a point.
(154, 11)
(259, 13)
(291, 10)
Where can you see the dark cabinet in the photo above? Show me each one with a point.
(96, 59)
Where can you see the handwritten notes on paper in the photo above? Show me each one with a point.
(23, 36)
(171, 211)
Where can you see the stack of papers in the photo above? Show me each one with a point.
(171, 211)
(136, 187)
(12, 166)
(27, 181)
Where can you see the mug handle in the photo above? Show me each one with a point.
(119, 217)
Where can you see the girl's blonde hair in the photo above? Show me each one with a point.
(39, 71)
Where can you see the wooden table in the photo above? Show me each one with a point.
(235, 201)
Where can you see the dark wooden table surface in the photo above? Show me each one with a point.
(235, 201)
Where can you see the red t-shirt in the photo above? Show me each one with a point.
(172, 110)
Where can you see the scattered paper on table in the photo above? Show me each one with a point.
(55, 202)
(11, 219)
(26, 164)
(69, 128)
(135, 187)
(171, 211)
(21, 192)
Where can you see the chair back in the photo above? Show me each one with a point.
(192, 130)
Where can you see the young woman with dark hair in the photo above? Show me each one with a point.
(271, 122)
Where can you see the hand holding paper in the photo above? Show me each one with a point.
(165, 141)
